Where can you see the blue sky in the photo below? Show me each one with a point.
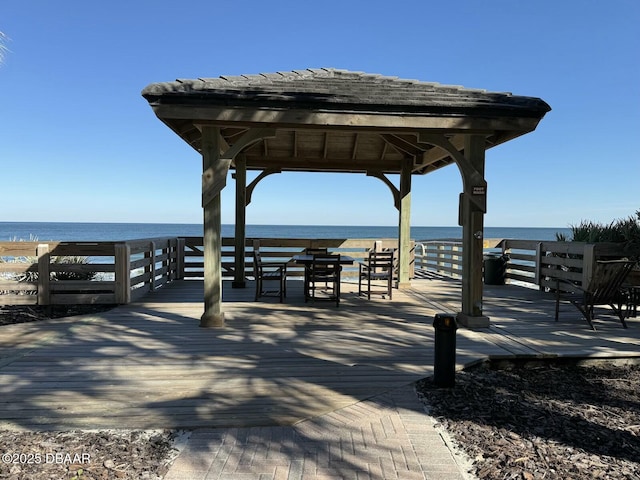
(79, 143)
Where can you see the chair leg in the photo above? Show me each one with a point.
(590, 318)
(621, 314)
(587, 313)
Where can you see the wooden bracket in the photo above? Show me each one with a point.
(214, 178)
(252, 185)
(394, 190)
(474, 184)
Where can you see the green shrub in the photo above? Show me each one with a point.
(624, 230)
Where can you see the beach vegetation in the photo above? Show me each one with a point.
(31, 275)
(625, 231)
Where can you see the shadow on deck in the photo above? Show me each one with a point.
(149, 364)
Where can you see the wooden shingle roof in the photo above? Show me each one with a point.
(338, 120)
(342, 89)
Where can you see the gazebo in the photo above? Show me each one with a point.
(330, 120)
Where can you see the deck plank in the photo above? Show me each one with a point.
(150, 365)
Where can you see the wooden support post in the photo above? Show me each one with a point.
(44, 276)
(212, 316)
(404, 228)
(473, 207)
(241, 235)
(180, 259)
(122, 258)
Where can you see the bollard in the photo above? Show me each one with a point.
(444, 369)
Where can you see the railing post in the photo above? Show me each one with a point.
(537, 279)
(171, 264)
(180, 258)
(588, 263)
(44, 280)
(152, 269)
(122, 256)
(455, 261)
(440, 258)
(412, 259)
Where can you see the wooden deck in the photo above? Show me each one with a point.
(149, 365)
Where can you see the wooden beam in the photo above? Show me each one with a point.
(325, 148)
(404, 146)
(384, 151)
(354, 150)
(309, 163)
(373, 122)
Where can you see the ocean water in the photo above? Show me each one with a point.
(52, 231)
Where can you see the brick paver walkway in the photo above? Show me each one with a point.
(386, 437)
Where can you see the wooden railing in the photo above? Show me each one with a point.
(62, 273)
(529, 263)
(280, 249)
(541, 263)
(440, 256)
(43, 273)
(39, 273)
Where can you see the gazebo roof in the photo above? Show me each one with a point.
(338, 120)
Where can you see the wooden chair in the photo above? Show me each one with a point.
(324, 269)
(631, 289)
(378, 267)
(603, 289)
(316, 251)
(269, 271)
(307, 267)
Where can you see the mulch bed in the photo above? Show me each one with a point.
(80, 455)
(543, 420)
(10, 314)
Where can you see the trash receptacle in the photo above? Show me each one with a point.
(444, 366)
(495, 266)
